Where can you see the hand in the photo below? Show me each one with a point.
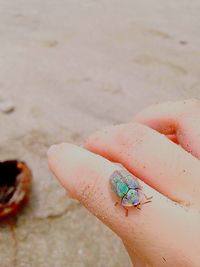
(165, 232)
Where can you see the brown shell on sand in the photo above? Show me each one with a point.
(15, 183)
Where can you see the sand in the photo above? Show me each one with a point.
(71, 67)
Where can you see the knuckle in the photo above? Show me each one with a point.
(132, 134)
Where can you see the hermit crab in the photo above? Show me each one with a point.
(15, 182)
(128, 189)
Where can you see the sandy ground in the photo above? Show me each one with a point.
(72, 67)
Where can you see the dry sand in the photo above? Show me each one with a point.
(72, 67)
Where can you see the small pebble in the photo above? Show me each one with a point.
(6, 106)
(183, 42)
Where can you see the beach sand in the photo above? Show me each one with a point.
(71, 67)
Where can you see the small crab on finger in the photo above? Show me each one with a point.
(128, 189)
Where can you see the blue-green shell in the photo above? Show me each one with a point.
(129, 180)
(132, 198)
(126, 187)
(119, 187)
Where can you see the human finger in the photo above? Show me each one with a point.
(86, 176)
(178, 119)
(152, 157)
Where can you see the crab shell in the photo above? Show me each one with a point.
(126, 187)
(20, 195)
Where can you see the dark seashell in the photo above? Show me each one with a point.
(15, 183)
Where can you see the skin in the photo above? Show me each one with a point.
(161, 147)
